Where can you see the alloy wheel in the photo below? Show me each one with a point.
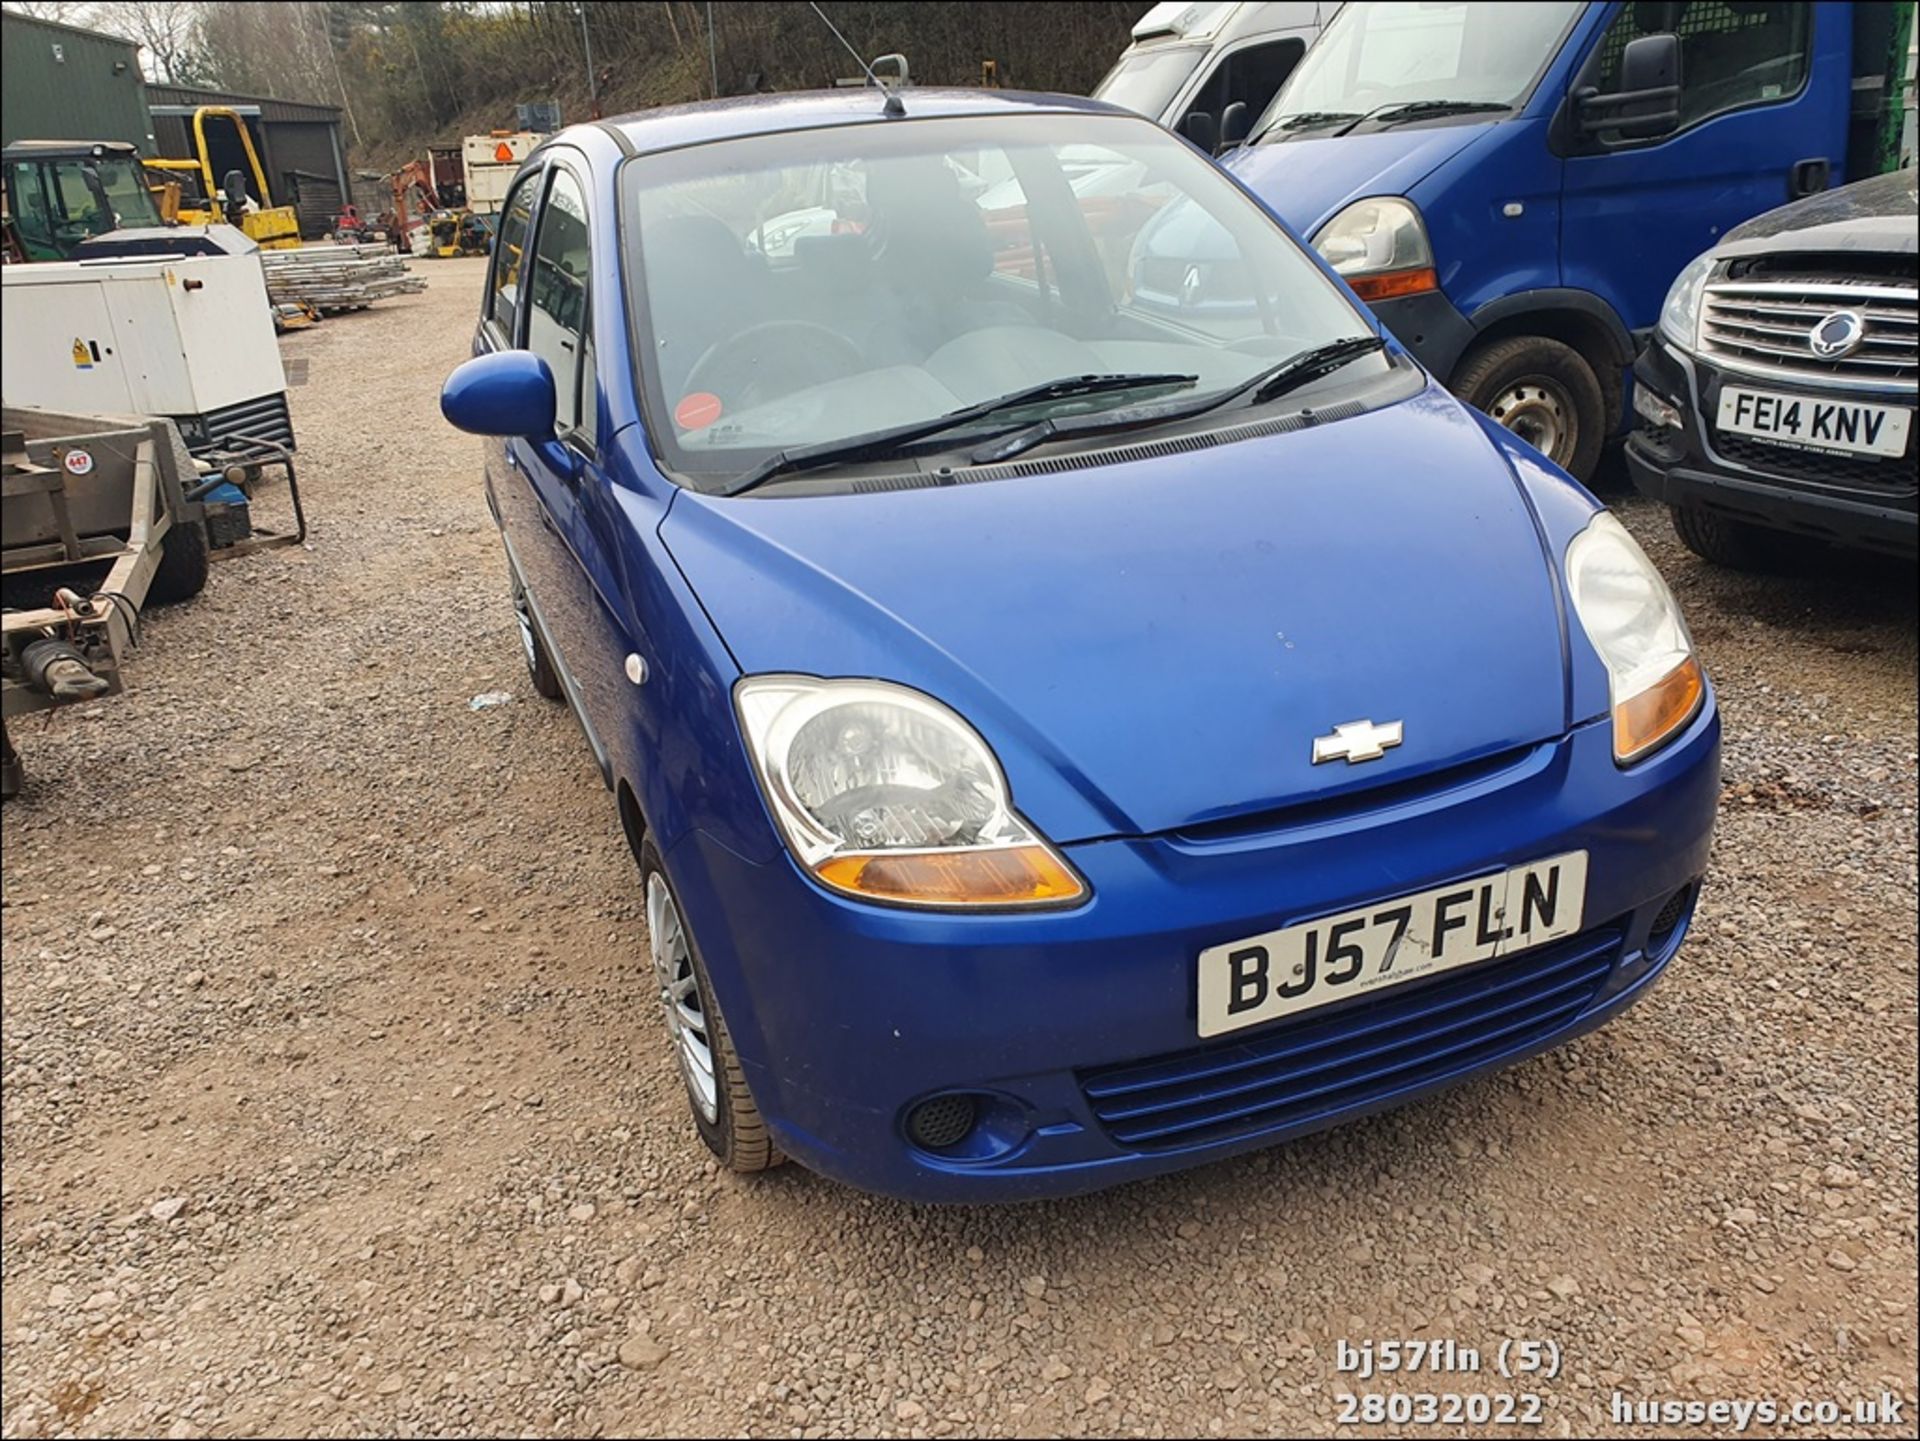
(680, 997)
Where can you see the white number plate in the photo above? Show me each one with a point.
(1262, 978)
(1804, 423)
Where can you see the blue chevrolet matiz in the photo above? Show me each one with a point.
(1064, 738)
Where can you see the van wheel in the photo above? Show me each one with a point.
(1542, 391)
(723, 1108)
(1737, 544)
(540, 671)
(182, 572)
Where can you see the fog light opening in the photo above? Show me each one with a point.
(1672, 915)
(942, 1122)
(1655, 409)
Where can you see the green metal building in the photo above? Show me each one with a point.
(59, 82)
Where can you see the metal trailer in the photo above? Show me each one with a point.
(100, 516)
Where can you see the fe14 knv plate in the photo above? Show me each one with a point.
(1281, 973)
(1805, 422)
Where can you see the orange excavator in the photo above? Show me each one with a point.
(449, 231)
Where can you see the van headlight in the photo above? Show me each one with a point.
(1379, 247)
(886, 794)
(1654, 681)
(1680, 311)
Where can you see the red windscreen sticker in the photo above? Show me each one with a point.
(697, 411)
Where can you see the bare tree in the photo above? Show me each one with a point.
(66, 12)
(169, 34)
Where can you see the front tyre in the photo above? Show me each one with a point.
(723, 1108)
(540, 671)
(1542, 391)
(1736, 544)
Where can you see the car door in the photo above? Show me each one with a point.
(565, 480)
(1754, 114)
(535, 559)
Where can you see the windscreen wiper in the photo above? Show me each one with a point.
(1306, 118)
(1395, 113)
(1276, 380)
(1311, 365)
(878, 444)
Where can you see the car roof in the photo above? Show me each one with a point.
(673, 126)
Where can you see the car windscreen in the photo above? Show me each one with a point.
(1145, 81)
(796, 289)
(1403, 52)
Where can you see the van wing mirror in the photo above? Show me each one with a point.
(1199, 128)
(1647, 103)
(1234, 123)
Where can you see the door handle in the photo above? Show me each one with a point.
(1808, 177)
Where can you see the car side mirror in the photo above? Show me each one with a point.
(1198, 127)
(508, 392)
(1647, 103)
(1235, 121)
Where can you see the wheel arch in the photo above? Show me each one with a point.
(1578, 319)
(633, 821)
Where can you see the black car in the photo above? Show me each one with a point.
(1776, 400)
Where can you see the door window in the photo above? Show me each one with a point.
(1731, 54)
(28, 201)
(503, 303)
(1253, 73)
(557, 316)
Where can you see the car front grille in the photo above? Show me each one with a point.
(1356, 1054)
(1766, 327)
(1882, 475)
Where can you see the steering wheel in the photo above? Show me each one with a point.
(772, 359)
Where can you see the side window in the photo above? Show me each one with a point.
(1731, 53)
(28, 202)
(504, 301)
(83, 203)
(556, 288)
(1253, 73)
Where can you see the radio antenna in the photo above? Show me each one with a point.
(893, 105)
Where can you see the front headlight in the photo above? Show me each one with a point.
(886, 794)
(1379, 247)
(1680, 311)
(1655, 683)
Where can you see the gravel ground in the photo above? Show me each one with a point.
(335, 1102)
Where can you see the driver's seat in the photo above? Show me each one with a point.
(702, 286)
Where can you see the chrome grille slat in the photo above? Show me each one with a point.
(1763, 328)
(1762, 347)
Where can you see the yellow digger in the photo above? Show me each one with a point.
(272, 227)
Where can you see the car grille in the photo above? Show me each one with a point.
(1360, 1053)
(1766, 327)
(1885, 476)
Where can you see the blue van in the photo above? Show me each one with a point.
(1512, 188)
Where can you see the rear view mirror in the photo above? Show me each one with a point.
(1648, 100)
(1234, 123)
(509, 392)
(1198, 127)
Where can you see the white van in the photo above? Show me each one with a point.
(1195, 58)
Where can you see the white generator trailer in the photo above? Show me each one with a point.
(188, 337)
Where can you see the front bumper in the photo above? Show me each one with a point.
(1865, 503)
(1431, 327)
(846, 1014)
